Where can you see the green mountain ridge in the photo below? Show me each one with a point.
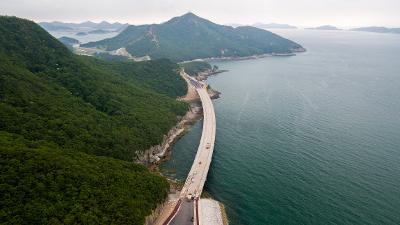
(71, 125)
(37, 68)
(190, 37)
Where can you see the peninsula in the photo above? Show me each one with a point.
(190, 37)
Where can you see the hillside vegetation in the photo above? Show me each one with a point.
(47, 93)
(190, 37)
(68, 126)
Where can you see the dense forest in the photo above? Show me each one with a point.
(69, 127)
(103, 108)
(42, 184)
(190, 37)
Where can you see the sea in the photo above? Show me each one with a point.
(306, 139)
(82, 38)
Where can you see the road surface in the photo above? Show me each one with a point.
(198, 173)
(197, 176)
(184, 215)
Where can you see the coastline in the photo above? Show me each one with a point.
(156, 155)
(293, 52)
(160, 153)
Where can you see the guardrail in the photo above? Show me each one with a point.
(172, 215)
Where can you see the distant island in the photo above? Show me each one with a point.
(273, 26)
(81, 34)
(190, 37)
(324, 27)
(378, 29)
(104, 25)
(99, 31)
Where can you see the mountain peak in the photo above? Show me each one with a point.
(190, 37)
(88, 23)
(189, 14)
(187, 18)
(104, 23)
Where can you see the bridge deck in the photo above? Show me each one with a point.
(198, 173)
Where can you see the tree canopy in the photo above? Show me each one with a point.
(70, 127)
(42, 184)
(103, 108)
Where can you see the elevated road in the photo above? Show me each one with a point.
(187, 209)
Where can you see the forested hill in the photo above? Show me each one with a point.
(190, 37)
(60, 112)
(111, 109)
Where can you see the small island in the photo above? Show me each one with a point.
(100, 31)
(324, 27)
(378, 30)
(273, 26)
(81, 34)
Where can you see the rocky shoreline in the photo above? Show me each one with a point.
(157, 154)
(205, 74)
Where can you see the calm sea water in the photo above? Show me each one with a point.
(85, 38)
(310, 139)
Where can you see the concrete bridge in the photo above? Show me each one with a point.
(187, 209)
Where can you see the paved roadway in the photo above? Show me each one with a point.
(185, 214)
(198, 173)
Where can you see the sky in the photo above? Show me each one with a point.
(303, 13)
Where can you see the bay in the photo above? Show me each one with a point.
(308, 139)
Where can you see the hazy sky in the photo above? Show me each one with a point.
(343, 13)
